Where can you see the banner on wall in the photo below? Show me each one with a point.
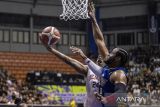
(153, 27)
(152, 17)
(63, 93)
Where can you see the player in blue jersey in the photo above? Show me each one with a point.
(114, 72)
(113, 75)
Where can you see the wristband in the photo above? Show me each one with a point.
(87, 60)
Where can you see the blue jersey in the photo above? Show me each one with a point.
(106, 85)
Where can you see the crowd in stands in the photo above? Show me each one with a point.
(143, 81)
(16, 92)
(144, 75)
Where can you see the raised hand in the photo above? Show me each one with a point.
(46, 45)
(100, 98)
(91, 11)
(78, 51)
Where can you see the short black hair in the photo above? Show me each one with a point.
(124, 56)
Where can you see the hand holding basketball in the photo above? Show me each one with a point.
(50, 36)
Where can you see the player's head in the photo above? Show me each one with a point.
(100, 61)
(117, 58)
(97, 59)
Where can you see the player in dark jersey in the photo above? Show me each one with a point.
(114, 72)
(113, 75)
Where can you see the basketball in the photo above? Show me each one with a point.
(50, 35)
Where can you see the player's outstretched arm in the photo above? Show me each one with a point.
(78, 66)
(120, 81)
(97, 33)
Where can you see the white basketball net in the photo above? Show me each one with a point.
(74, 9)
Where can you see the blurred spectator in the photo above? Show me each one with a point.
(72, 103)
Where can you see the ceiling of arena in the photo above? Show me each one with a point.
(97, 2)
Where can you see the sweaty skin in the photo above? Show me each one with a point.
(118, 77)
(97, 34)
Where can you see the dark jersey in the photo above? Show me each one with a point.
(107, 86)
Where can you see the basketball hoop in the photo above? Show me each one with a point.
(74, 9)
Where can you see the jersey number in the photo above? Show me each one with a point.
(95, 84)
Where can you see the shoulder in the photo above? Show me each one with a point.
(119, 76)
(119, 72)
